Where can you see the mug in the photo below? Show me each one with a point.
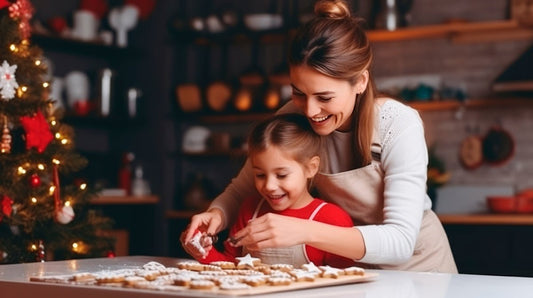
(85, 25)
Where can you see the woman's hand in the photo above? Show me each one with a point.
(272, 230)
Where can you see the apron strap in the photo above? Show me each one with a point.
(316, 210)
(258, 208)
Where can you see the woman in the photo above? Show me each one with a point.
(376, 159)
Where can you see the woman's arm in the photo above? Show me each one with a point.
(273, 230)
(404, 161)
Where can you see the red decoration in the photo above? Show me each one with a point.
(57, 24)
(38, 133)
(7, 207)
(98, 7)
(4, 3)
(35, 180)
(145, 7)
(23, 11)
(111, 254)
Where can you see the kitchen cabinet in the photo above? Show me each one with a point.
(134, 222)
(492, 244)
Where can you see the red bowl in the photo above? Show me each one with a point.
(524, 203)
(502, 204)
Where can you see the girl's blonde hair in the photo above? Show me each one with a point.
(291, 133)
(334, 43)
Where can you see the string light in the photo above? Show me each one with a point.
(13, 48)
(53, 122)
(33, 247)
(58, 135)
(67, 203)
(37, 62)
(46, 84)
(83, 186)
(52, 189)
(56, 161)
(34, 200)
(40, 166)
(21, 170)
(64, 141)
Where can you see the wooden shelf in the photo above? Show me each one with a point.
(180, 214)
(486, 219)
(213, 153)
(88, 48)
(470, 103)
(459, 31)
(227, 118)
(484, 31)
(125, 200)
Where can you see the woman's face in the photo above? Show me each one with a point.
(327, 102)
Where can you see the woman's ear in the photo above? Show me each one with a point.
(362, 82)
(312, 166)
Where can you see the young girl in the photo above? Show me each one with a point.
(285, 156)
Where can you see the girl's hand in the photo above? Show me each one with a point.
(199, 246)
(272, 230)
(209, 222)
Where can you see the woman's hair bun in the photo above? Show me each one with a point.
(334, 9)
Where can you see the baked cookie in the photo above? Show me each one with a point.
(247, 262)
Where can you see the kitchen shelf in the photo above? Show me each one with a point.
(450, 30)
(125, 200)
(227, 118)
(457, 31)
(88, 48)
(439, 105)
(180, 214)
(470, 103)
(217, 153)
(486, 219)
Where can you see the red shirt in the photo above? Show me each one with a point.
(329, 213)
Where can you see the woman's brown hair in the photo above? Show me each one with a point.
(334, 43)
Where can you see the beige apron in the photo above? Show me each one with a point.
(360, 193)
(295, 255)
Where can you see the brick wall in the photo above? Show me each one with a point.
(472, 66)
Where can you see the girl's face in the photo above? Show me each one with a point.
(281, 180)
(327, 102)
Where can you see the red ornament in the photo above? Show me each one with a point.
(35, 180)
(7, 207)
(38, 133)
(111, 254)
(98, 7)
(145, 7)
(23, 11)
(57, 24)
(4, 3)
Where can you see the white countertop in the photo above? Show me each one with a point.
(14, 282)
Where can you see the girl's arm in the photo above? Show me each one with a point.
(224, 209)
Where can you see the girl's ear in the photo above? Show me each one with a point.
(312, 166)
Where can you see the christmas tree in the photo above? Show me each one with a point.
(40, 218)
